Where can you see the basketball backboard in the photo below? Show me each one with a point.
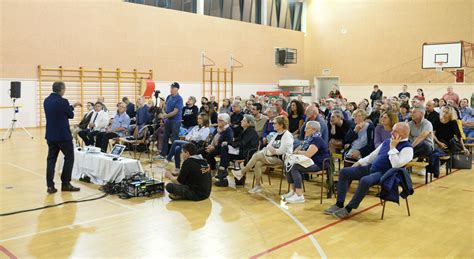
(442, 55)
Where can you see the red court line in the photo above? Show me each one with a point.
(7, 253)
(330, 224)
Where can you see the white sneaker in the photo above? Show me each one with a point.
(256, 189)
(422, 172)
(295, 199)
(288, 195)
(237, 174)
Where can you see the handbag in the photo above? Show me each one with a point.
(462, 160)
(302, 160)
(454, 145)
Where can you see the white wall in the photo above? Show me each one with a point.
(30, 102)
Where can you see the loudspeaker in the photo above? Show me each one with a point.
(15, 89)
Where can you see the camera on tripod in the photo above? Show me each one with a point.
(157, 93)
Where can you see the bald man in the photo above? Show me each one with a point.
(395, 152)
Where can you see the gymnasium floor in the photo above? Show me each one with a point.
(231, 224)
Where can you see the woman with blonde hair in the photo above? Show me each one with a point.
(273, 154)
(447, 129)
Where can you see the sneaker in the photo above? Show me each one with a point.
(256, 189)
(159, 157)
(237, 174)
(222, 183)
(288, 195)
(295, 199)
(422, 172)
(331, 210)
(340, 213)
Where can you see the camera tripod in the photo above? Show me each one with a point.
(14, 123)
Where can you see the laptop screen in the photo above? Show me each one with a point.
(117, 150)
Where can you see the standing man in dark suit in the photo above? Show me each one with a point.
(58, 136)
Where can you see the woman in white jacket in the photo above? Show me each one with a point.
(273, 154)
(99, 122)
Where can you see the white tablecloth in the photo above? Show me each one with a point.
(102, 169)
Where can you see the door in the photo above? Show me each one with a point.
(323, 86)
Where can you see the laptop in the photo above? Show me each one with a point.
(117, 151)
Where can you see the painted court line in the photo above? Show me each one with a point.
(40, 175)
(305, 230)
(66, 226)
(5, 251)
(270, 250)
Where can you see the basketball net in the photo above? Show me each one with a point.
(439, 68)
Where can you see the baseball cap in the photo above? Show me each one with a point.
(175, 85)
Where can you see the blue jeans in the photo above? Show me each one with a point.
(176, 152)
(469, 132)
(294, 175)
(171, 130)
(366, 179)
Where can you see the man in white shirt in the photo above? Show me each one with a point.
(392, 153)
(99, 122)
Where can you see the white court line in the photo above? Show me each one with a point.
(40, 175)
(67, 226)
(305, 230)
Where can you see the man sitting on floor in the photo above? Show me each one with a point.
(194, 179)
(392, 153)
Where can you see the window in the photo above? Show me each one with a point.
(180, 5)
(284, 14)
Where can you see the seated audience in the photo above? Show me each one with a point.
(313, 147)
(296, 117)
(236, 118)
(212, 100)
(404, 92)
(208, 108)
(101, 100)
(464, 108)
(194, 179)
(447, 130)
(359, 141)
(119, 128)
(269, 126)
(84, 122)
(248, 107)
(280, 145)
(393, 153)
(279, 108)
(375, 114)
(450, 95)
(337, 128)
(421, 136)
(312, 114)
(98, 123)
(383, 131)
(190, 113)
(404, 114)
(468, 126)
(142, 116)
(260, 119)
(334, 93)
(245, 143)
(198, 136)
(204, 101)
(223, 134)
(225, 108)
(431, 114)
(376, 94)
(130, 107)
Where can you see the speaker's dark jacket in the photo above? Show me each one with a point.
(58, 112)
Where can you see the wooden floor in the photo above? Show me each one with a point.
(231, 224)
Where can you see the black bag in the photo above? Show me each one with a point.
(462, 161)
(455, 145)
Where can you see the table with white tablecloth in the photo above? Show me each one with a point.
(102, 168)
